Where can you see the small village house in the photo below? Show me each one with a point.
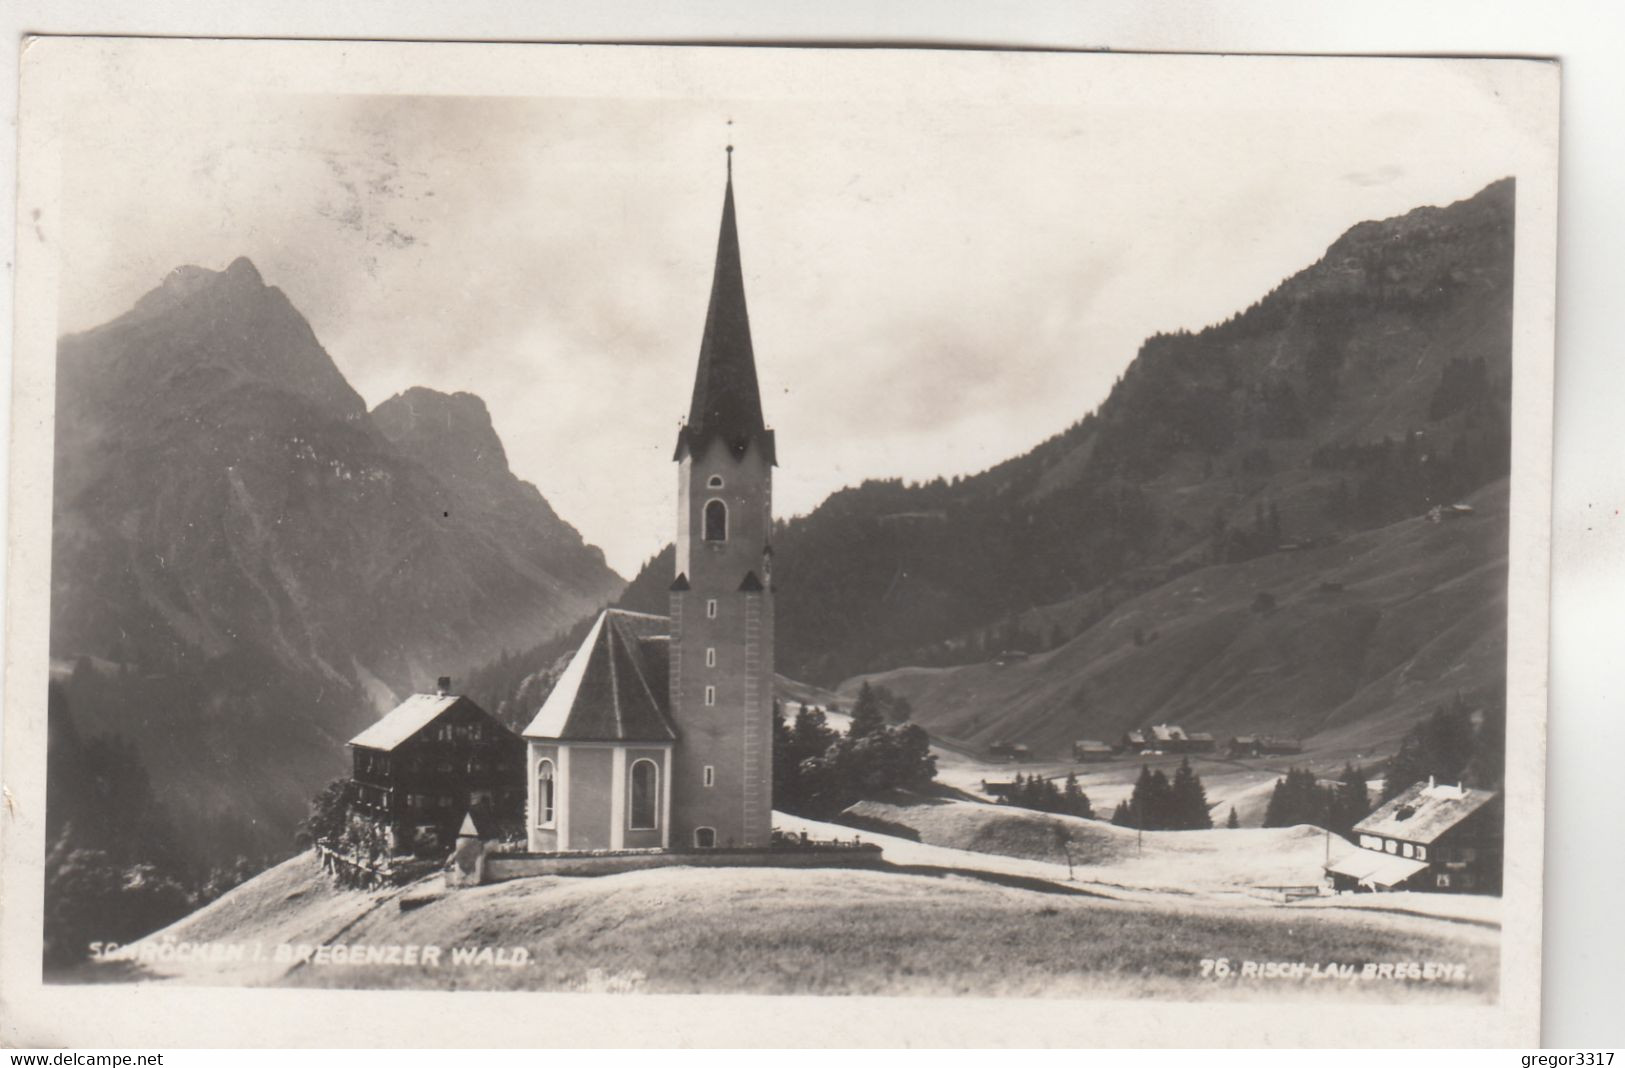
(1263, 745)
(1433, 836)
(1088, 750)
(1200, 742)
(1166, 738)
(422, 769)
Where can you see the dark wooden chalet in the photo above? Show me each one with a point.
(1432, 836)
(432, 761)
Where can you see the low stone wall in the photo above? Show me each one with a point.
(499, 867)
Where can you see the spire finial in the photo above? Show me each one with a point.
(730, 153)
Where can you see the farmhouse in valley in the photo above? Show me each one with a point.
(659, 732)
(437, 758)
(1432, 836)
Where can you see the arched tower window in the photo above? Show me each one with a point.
(705, 838)
(643, 812)
(716, 520)
(715, 482)
(544, 793)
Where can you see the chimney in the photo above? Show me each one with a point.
(443, 685)
(444, 681)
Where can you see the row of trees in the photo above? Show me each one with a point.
(818, 772)
(1459, 741)
(1300, 797)
(1042, 795)
(1158, 804)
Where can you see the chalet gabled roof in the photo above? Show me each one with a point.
(1424, 811)
(615, 687)
(727, 402)
(407, 718)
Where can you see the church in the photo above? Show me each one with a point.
(659, 732)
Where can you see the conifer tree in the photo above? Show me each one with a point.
(867, 717)
(1232, 823)
(1187, 801)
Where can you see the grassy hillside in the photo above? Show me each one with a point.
(782, 931)
(1365, 634)
(1181, 861)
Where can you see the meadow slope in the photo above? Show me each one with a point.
(938, 921)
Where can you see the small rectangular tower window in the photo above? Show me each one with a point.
(710, 775)
(710, 696)
(710, 658)
(711, 608)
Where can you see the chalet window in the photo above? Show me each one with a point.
(1421, 852)
(715, 482)
(643, 812)
(1390, 846)
(716, 520)
(710, 775)
(445, 800)
(711, 608)
(710, 658)
(1469, 854)
(710, 696)
(705, 838)
(544, 794)
(1408, 849)
(1444, 881)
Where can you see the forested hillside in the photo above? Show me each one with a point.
(1367, 388)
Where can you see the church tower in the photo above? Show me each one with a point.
(721, 658)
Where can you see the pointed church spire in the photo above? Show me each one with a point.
(727, 401)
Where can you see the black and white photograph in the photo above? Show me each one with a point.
(786, 522)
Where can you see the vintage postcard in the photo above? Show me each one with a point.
(1041, 547)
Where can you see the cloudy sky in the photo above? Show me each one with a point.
(938, 278)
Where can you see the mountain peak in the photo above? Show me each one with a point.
(448, 429)
(242, 269)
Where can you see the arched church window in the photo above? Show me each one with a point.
(715, 482)
(644, 810)
(716, 520)
(544, 793)
(705, 838)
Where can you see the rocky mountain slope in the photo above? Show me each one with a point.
(248, 564)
